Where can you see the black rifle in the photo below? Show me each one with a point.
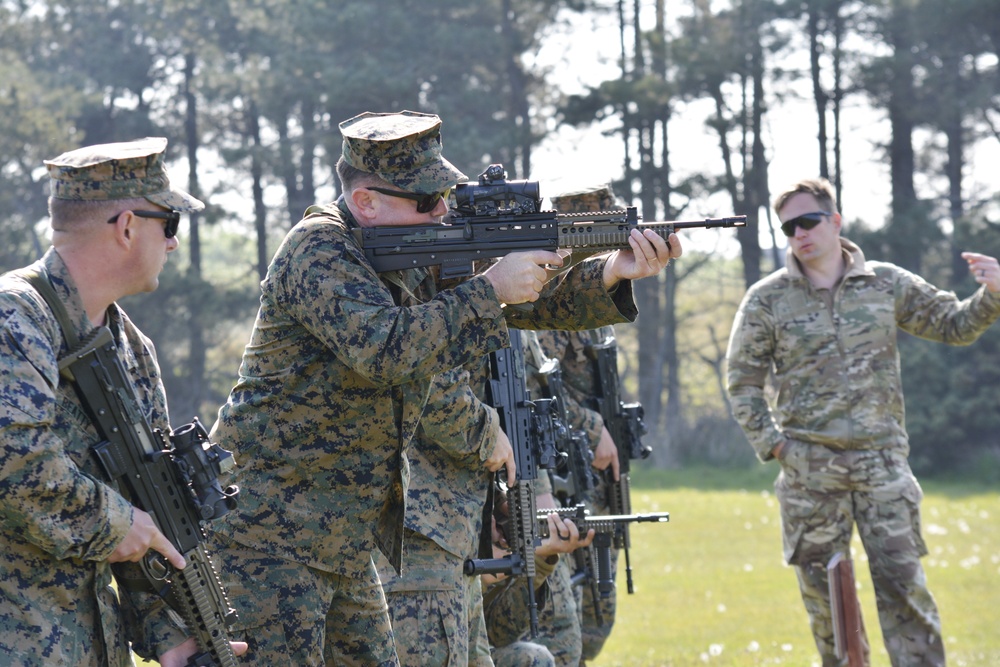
(573, 477)
(605, 527)
(495, 217)
(624, 423)
(531, 429)
(172, 477)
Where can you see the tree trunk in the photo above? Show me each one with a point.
(195, 382)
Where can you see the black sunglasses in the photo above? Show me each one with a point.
(173, 219)
(805, 221)
(425, 203)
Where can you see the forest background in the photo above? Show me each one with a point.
(250, 93)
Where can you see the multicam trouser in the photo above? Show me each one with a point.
(823, 493)
(291, 614)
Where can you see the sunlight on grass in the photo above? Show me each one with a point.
(711, 589)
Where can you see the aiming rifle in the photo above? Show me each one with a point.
(848, 628)
(495, 217)
(173, 477)
(531, 429)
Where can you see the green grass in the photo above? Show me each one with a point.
(711, 588)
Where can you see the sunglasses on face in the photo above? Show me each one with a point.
(425, 203)
(806, 221)
(173, 219)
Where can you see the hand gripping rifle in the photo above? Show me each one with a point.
(624, 423)
(173, 477)
(495, 217)
(531, 430)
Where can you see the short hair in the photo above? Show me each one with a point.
(352, 177)
(820, 188)
(65, 214)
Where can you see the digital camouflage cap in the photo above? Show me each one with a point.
(586, 199)
(123, 170)
(402, 148)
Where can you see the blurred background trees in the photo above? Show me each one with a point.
(250, 93)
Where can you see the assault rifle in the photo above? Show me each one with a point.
(531, 429)
(624, 423)
(173, 477)
(606, 527)
(573, 478)
(495, 217)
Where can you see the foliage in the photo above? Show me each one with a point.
(255, 88)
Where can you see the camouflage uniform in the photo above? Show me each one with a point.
(578, 376)
(448, 483)
(505, 606)
(333, 382)
(59, 520)
(838, 406)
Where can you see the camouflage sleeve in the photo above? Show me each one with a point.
(456, 419)
(751, 348)
(577, 300)
(45, 497)
(329, 288)
(938, 315)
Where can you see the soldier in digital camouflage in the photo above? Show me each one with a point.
(506, 605)
(579, 378)
(436, 610)
(824, 329)
(114, 218)
(342, 368)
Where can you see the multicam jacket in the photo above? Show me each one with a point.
(836, 370)
(59, 521)
(448, 483)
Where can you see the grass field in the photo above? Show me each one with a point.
(711, 588)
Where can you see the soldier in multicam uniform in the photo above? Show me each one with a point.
(114, 218)
(825, 327)
(339, 368)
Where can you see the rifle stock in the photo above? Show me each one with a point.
(849, 638)
(174, 478)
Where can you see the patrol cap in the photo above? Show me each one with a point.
(586, 199)
(403, 148)
(123, 170)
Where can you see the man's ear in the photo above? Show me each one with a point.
(363, 205)
(124, 228)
